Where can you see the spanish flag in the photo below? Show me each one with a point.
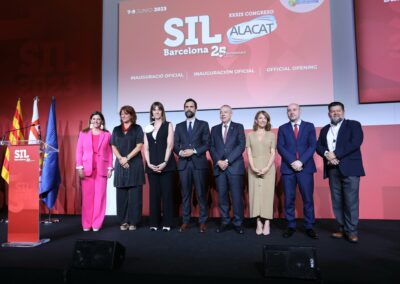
(15, 135)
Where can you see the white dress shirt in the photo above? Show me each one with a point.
(331, 136)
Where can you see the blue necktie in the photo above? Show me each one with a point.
(190, 130)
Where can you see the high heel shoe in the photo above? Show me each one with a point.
(266, 230)
(259, 229)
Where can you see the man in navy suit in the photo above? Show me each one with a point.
(227, 146)
(296, 145)
(191, 142)
(339, 145)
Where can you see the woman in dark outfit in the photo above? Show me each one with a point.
(161, 164)
(127, 142)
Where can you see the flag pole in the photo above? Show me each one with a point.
(48, 220)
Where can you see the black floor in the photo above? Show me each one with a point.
(193, 257)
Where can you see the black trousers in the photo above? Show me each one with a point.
(191, 176)
(129, 204)
(229, 184)
(161, 198)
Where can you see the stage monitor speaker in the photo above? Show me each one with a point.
(98, 254)
(296, 262)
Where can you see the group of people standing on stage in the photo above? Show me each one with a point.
(338, 144)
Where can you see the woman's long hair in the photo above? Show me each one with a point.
(160, 107)
(266, 115)
(103, 121)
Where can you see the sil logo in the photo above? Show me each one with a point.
(21, 155)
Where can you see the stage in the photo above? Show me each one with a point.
(195, 257)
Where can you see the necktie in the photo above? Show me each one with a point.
(225, 132)
(190, 130)
(296, 133)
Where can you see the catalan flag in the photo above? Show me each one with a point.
(15, 135)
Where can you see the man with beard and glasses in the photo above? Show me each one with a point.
(339, 145)
(191, 142)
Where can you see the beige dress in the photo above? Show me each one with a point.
(261, 190)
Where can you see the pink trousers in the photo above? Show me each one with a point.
(94, 190)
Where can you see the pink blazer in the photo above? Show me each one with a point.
(84, 153)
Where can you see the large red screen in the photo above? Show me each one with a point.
(378, 50)
(247, 53)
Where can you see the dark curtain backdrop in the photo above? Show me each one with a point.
(52, 48)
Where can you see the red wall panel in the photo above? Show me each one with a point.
(52, 48)
(377, 26)
(379, 189)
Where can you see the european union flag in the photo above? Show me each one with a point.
(51, 172)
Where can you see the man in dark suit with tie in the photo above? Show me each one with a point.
(296, 145)
(191, 142)
(227, 146)
(339, 145)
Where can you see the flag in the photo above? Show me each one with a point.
(34, 132)
(15, 135)
(51, 172)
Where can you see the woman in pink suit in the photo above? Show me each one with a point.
(94, 165)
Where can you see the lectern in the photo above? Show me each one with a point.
(23, 193)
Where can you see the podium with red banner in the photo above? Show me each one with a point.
(23, 193)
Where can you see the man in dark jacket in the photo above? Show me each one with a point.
(339, 145)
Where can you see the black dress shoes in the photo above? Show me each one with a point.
(312, 234)
(222, 228)
(239, 229)
(288, 233)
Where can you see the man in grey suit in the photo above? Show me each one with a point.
(228, 142)
(191, 142)
(339, 144)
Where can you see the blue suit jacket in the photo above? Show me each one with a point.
(305, 145)
(232, 150)
(200, 141)
(349, 140)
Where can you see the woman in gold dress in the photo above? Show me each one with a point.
(261, 145)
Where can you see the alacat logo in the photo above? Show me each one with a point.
(252, 29)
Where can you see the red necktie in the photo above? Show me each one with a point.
(296, 133)
(225, 132)
(296, 130)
